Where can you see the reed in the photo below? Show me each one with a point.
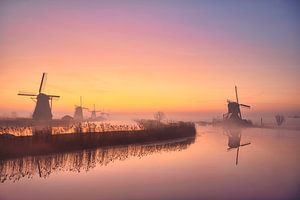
(46, 143)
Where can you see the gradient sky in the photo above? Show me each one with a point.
(151, 55)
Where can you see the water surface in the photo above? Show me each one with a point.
(205, 167)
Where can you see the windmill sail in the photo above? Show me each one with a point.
(43, 82)
(236, 94)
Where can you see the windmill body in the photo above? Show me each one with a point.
(234, 111)
(93, 114)
(78, 114)
(43, 107)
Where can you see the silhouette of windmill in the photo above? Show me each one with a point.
(78, 115)
(43, 110)
(94, 113)
(234, 142)
(234, 111)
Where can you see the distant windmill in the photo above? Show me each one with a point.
(78, 115)
(94, 112)
(234, 112)
(43, 110)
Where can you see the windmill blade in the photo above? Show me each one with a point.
(237, 156)
(236, 95)
(43, 82)
(229, 148)
(54, 99)
(33, 99)
(244, 105)
(27, 94)
(245, 144)
(53, 96)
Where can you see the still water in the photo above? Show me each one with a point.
(218, 164)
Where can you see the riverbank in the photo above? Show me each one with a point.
(12, 147)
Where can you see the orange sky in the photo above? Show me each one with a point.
(150, 56)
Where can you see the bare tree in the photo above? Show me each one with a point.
(159, 116)
(279, 119)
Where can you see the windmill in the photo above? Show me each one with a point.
(234, 111)
(43, 109)
(78, 115)
(94, 113)
(234, 142)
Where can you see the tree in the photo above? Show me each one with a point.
(159, 116)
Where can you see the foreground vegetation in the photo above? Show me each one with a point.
(43, 144)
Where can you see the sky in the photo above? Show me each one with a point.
(144, 56)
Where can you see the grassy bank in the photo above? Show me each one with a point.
(11, 147)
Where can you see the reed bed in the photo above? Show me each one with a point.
(80, 127)
(44, 143)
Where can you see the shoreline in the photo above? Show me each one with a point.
(13, 147)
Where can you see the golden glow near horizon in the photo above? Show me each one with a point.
(144, 60)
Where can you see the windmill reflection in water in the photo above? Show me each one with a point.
(234, 141)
